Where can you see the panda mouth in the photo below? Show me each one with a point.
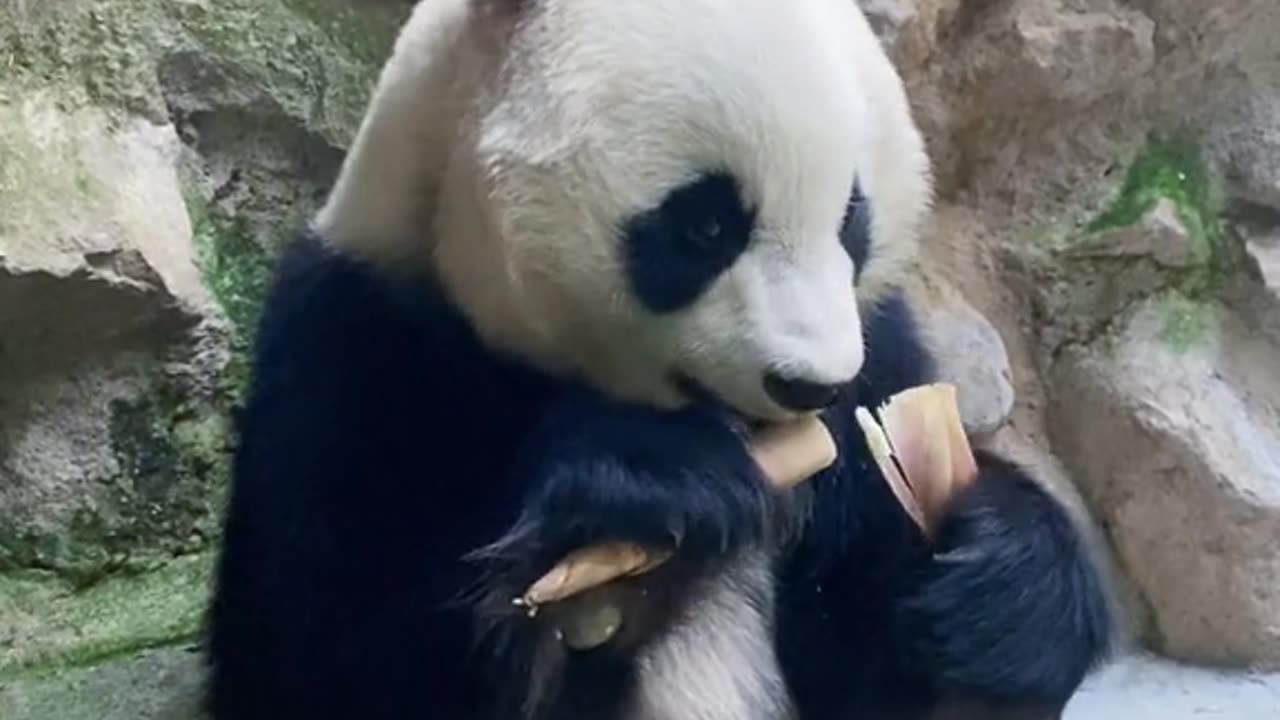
(698, 393)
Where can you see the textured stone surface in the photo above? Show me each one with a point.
(1173, 430)
(909, 28)
(162, 684)
(1029, 105)
(1247, 137)
(99, 294)
(95, 241)
(51, 623)
(1042, 51)
(970, 354)
(1264, 250)
(1159, 235)
(1142, 687)
(149, 154)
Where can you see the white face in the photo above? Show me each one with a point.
(685, 193)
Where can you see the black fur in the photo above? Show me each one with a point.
(675, 250)
(395, 481)
(855, 230)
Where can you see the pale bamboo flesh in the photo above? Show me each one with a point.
(922, 450)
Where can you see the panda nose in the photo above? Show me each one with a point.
(797, 394)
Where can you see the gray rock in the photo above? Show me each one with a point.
(1264, 250)
(971, 354)
(49, 623)
(1246, 137)
(1066, 55)
(162, 684)
(1197, 40)
(889, 17)
(102, 310)
(1159, 235)
(1094, 277)
(1142, 687)
(95, 240)
(908, 28)
(1172, 429)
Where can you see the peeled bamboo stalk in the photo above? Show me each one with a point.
(922, 451)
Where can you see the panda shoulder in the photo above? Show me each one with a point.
(316, 294)
(383, 198)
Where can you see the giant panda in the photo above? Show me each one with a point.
(577, 251)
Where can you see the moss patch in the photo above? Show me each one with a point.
(160, 684)
(236, 269)
(318, 60)
(317, 57)
(93, 50)
(172, 453)
(47, 623)
(129, 569)
(1185, 321)
(1171, 166)
(238, 273)
(366, 30)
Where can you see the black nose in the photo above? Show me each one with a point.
(797, 394)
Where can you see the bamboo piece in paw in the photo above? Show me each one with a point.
(590, 567)
(788, 454)
(921, 448)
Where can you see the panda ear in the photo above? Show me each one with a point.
(383, 202)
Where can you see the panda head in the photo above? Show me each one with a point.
(666, 197)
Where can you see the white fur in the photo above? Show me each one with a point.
(718, 663)
(504, 144)
(383, 201)
(506, 141)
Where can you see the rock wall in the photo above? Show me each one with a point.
(1102, 275)
(1109, 200)
(152, 156)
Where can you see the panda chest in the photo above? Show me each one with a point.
(716, 660)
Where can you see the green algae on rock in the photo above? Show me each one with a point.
(164, 498)
(47, 623)
(165, 437)
(154, 684)
(1171, 167)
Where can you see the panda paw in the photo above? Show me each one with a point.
(596, 472)
(1010, 608)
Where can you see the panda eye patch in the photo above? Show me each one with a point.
(855, 230)
(674, 251)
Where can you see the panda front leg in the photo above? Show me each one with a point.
(1008, 612)
(682, 481)
(997, 616)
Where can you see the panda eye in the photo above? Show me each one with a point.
(705, 233)
(707, 217)
(675, 250)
